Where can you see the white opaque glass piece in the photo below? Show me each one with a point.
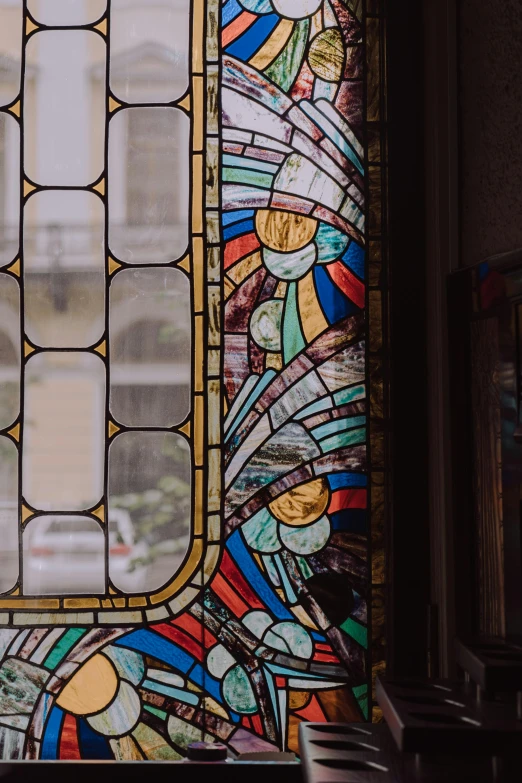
(149, 508)
(150, 347)
(8, 514)
(9, 351)
(59, 13)
(65, 108)
(149, 185)
(64, 269)
(149, 50)
(9, 188)
(63, 440)
(63, 555)
(10, 49)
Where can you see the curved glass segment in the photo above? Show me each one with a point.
(148, 213)
(63, 441)
(149, 509)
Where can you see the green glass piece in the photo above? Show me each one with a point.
(67, 641)
(293, 340)
(283, 71)
(343, 439)
(154, 710)
(356, 631)
(291, 639)
(261, 532)
(238, 692)
(248, 177)
(304, 567)
(349, 395)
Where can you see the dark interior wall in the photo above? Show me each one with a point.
(490, 105)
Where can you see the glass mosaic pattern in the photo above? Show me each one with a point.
(192, 362)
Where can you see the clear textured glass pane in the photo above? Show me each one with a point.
(8, 514)
(10, 48)
(65, 108)
(9, 351)
(149, 508)
(66, 12)
(63, 555)
(148, 185)
(150, 347)
(149, 50)
(64, 268)
(9, 188)
(64, 431)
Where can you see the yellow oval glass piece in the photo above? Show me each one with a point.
(302, 505)
(91, 689)
(284, 231)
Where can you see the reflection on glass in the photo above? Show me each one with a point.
(64, 431)
(10, 48)
(8, 514)
(65, 108)
(9, 351)
(63, 555)
(150, 347)
(149, 508)
(66, 12)
(9, 188)
(148, 185)
(64, 268)
(149, 50)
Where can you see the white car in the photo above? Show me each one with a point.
(66, 554)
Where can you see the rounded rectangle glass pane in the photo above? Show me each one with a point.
(65, 108)
(149, 185)
(9, 188)
(63, 438)
(64, 269)
(10, 47)
(150, 344)
(61, 13)
(63, 555)
(8, 514)
(9, 351)
(149, 50)
(149, 508)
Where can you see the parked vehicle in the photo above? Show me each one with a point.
(66, 554)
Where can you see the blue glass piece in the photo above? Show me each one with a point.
(205, 680)
(316, 407)
(334, 303)
(94, 747)
(234, 716)
(245, 46)
(230, 11)
(338, 425)
(254, 577)
(168, 690)
(283, 670)
(155, 645)
(238, 228)
(251, 399)
(355, 259)
(318, 636)
(239, 161)
(345, 480)
(287, 587)
(52, 734)
(236, 215)
(350, 520)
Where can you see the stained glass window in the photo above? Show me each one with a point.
(192, 349)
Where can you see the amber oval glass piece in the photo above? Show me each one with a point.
(149, 50)
(150, 344)
(148, 154)
(64, 110)
(149, 509)
(63, 441)
(64, 269)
